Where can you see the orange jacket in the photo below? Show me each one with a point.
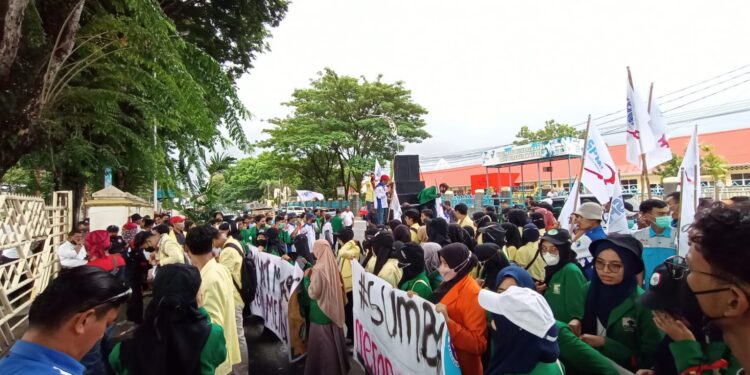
(467, 325)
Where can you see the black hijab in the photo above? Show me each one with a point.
(491, 261)
(382, 246)
(567, 255)
(602, 299)
(411, 258)
(459, 259)
(402, 233)
(538, 220)
(512, 235)
(272, 241)
(437, 231)
(174, 331)
(530, 234)
(518, 217)
(459, 235)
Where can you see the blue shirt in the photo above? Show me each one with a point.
(656, 249)
(28, 358)
(596, 233)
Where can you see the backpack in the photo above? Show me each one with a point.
(493, 233)
(248, 276)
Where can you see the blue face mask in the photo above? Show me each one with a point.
(663, 222)
(631, 224)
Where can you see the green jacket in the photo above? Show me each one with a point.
(318, 224)
(565, 295)
(435, 279)
(579, 357)
(420, 285)
(337, 224)
(689, 354)
(213, 354)
(284, 236)
(632, 337)
(247, 237)
(317, 315)
(254, 235)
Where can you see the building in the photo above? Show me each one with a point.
(538, 177)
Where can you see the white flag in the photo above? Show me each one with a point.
(307, 195)
(690, 178)
(661, 152)
(378, 171)
(395, 204)
(638, 130)
(599, 174)
(573, 201)
(618, 222)
(439, 208)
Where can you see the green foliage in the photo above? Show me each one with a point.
(550, 131)
(670, 168)
(340, 125)
(255, 178)
(712, 164)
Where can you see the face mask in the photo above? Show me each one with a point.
(551, 259)
(446, 272)
(631, 224)
(262, 242)
(663, 222)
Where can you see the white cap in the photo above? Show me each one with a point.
(523, 307)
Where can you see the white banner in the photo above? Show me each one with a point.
(277, 291)
(690, 179)
(395, 334)
(638, 130)
(599, 170)
(571, 204)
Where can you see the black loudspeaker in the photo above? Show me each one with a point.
(410, 198)
(406, 168)
(409, 187)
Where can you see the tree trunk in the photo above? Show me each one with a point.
(342, 176)
(12, 17)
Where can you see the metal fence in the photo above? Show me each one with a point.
(34, 229)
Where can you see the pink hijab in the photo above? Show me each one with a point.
(326, 286)
(549, 218)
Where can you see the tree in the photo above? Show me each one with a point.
(340, 125)
(712, 164)
(550, 131)
(670, 168)
(254, 178)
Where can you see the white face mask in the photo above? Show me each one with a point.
(551, 259)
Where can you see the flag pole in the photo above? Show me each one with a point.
(696, 171)
(640, 142)
(682, 201)
(583, 161)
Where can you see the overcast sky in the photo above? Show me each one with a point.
(484, 68)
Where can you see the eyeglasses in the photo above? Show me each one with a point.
(613, 267)
(118, 298)
(678, 268)
(548, 249)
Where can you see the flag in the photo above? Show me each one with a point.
(307, 195)
(599, 174)
(661, 153)
(690, 185)
(378, 171)
(395, 206)
(573, 201)
(638, 130)
(617, 222)
(439, 208)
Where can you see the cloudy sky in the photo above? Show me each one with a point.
(484, 68)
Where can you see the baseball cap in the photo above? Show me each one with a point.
(663, 292)
(557, 237)
(384, 178)
(177, 219)
(523, 307)
(624, 241)
(590, 210)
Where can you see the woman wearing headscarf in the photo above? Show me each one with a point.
(538, 220)
(402, 233)
(491, 260)
(578, 357)
(512, 239)
(612, 321)
(348, 251)
(271, 244)
(431, 263)
(411, 260)
(437, 231)
(525, 332)
(457, 234)
(549, 218)
(97, 245)
(176, 337)
(384, 263)
(326, 348)
(564, 283)
(456, 299)
(518, 217)
(527, 255)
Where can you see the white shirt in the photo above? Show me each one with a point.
(309, 231)
(381, 196)
(69, 258)
(348, 218)
(328, 232)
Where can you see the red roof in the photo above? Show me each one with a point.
(730, 144)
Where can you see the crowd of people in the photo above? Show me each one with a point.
(519, 294)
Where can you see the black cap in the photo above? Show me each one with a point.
(663, 292)
(113, 229)
(557, 237)
(624, 241)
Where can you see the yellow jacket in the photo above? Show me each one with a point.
(170, 251)
(369, 192)
(390, 271)
(349, 251)
(467, 222)
(525, 255)
(232, 260)
(413, 230)
(216, 292)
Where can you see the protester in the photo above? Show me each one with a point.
(97, 245)
(658, 239)
(673, 201)
(518, 217)
(437, 231)
(411, 261)
(260, 227)
(347, 217)
(381, 199)
(177, 337)
(136, 264)
(457, 300)
(691, 344)
(537, 218)
(426, 215)
(178, 229)
(719, 261)
(337, 224)
(450, 213)
(216, 290)
(232, 256)
(462, 216)
(412, 221)
(401, 233)
(612, 321)
(327, 230)
(269, 242)
(491, 260)
(168, 251)
(525, 341)
(148, 225)
(65, 321)
(72, 253)
(512, 239)
(490, 211)
(305, 230)
(549, 218)
(117, 244)
(384, 263)
(369, 187)
(457, 234)
(527, 255)
(349, 250)
(587, 229)
(432, 262)
(564, 283)
(326, 347)
(137, 219)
